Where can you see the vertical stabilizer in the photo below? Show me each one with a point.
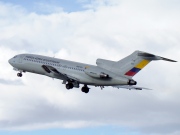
(132, 64)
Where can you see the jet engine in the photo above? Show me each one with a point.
(132, 82)
(95, 73)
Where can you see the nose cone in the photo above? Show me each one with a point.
(10, 61)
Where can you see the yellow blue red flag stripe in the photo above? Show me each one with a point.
(137, 68)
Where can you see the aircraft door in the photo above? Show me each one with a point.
(20, 58)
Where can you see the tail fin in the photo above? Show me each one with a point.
(130, 65)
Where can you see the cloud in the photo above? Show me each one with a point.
(47, 8)
(111, 31)
(10, 82)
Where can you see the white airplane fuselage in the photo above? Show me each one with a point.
(107, 73)
(33, 63)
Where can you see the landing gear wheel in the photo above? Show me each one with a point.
(85, 89)
(69, 86)
(19, 74)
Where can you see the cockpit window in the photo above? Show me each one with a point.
(15, 56)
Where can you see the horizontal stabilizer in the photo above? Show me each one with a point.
(153, 57)
(167, 59)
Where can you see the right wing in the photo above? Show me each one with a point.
(131, 87)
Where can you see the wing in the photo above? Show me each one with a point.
(55, 72)
(131, 87)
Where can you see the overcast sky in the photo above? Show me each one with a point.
(82, 30)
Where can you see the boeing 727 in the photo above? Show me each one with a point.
(106, 73)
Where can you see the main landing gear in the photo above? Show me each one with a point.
(70, 85)
(19, 74)
(85, 89)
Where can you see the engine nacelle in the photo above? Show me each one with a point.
(103, 75)
(107, 64)
(95, 73)
(132, 82)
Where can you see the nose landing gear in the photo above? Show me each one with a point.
(19, 74)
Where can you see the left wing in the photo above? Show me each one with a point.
(131, 87)
(50, 69)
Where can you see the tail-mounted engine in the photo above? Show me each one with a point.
(103, 75)
(95, 73)
(132, 82)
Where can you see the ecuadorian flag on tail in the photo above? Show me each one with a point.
(137, 68)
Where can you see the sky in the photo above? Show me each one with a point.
(84, 30)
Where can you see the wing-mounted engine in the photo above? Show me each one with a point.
(93, 72)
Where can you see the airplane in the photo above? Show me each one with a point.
(117, 74)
